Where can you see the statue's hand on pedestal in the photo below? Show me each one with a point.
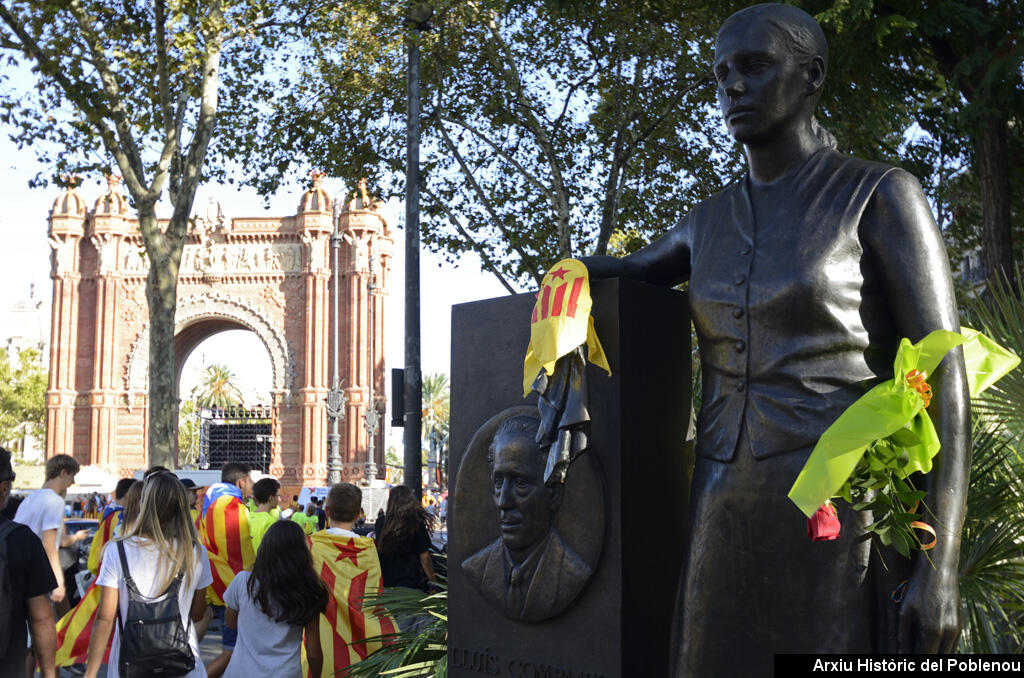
(929, 620)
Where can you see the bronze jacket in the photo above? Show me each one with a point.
(790, 315)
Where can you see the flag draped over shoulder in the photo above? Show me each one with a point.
(350, 568)
(74, 628)
(104, 533)
(225, 534)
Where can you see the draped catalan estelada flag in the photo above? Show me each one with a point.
(561, 321)
(350, 568)
(104, 533)
(225, 534)
(75, 628)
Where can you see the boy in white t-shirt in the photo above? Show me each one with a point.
(43, 513)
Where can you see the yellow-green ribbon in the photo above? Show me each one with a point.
(894, 405)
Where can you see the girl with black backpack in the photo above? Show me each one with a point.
(154, 580)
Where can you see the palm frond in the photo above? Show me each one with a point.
(991, 557)
(992, 546)
(1000, 315)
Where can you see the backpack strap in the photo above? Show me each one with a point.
(129, 582)
(6, 527)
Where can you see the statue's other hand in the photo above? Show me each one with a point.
(929, 620)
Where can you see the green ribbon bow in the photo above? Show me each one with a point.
(895, 407)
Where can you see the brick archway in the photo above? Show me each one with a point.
(270, 275)
(204, 315)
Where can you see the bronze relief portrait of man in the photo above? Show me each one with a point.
(520, 561)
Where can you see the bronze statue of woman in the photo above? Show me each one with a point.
(804, 275)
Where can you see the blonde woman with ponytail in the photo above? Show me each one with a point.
(159, 544)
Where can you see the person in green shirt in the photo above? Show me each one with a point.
(299, 516)
(264, 493)
(312, 524)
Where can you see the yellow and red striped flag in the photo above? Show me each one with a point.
(350, 568)
(561, 321)
(225, 534)
(75, 629)
(104, 533)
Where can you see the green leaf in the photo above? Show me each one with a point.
(910, 497)
(901, 542)
(904, 437)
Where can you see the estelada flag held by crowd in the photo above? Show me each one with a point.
(224, 529)
(561, 321)
(350, 568)
(75, 628)
(104, 533)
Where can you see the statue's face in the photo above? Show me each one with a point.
(525, 506)
(761, 85)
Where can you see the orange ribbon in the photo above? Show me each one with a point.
(917, 524)
(920, 525)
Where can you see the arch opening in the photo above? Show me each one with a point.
(224, 381)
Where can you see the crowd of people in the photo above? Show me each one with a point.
(284, 584)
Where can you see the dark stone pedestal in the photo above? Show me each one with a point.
(624, 508)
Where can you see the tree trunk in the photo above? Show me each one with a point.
(992, 167)
(162, 295)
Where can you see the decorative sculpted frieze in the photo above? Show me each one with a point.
(106, 252)
(224, 258)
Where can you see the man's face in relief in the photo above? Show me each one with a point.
(525, 506)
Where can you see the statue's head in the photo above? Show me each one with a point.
(770, 64)
(526, 507)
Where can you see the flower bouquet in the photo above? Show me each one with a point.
(869, 453)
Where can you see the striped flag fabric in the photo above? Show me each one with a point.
(104, 533)
(350, 568)
(75, 629)
(561, 321)
(225, 534)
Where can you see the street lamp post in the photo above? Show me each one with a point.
(335, 397)
(372, 418)
(419, 14)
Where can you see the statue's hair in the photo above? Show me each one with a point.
(520, 426)
(802, 33)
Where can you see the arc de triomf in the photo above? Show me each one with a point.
(271, 275)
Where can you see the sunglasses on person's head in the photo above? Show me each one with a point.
(10, 477)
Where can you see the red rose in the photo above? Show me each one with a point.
(824, 524)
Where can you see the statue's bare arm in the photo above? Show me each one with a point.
(666, 261)
(903, 240)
